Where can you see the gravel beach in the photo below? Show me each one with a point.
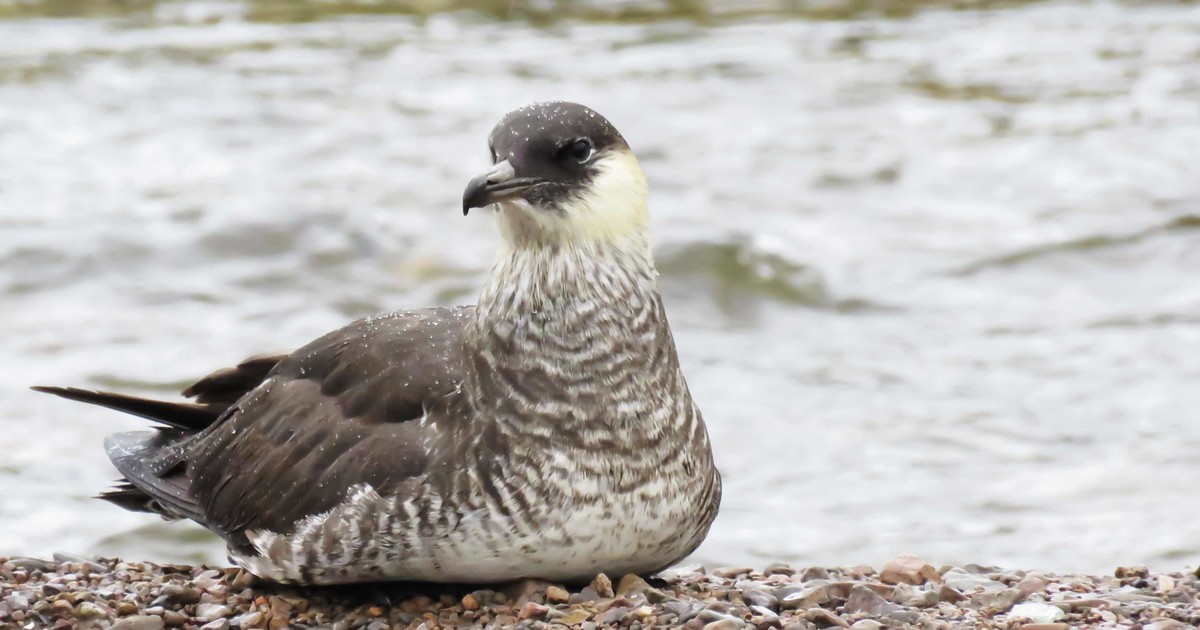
(75, 592)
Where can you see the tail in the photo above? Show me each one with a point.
(154, 463)
(155, 477)
(193, 417)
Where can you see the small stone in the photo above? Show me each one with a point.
(859, 571)
(950, 595)
(532, 609)
(557, 595)
(643, 611)
(865, 600)
(910, 596)
(126, 608)
(1030, 585)
(756, 597)
(1135, 571)
(253, 619)
(220, 624)
(180, 594)
(524, 590)
(62, 608)
(724, 624)
(138, 622)
(585, 595)
(822, 618)
(966, 582)
(575, 617)
(908, 569)
(1046, 626)
(732, 572)
(1037, 612)
(174, 618)
(866, 624)
(243, 579)
(212, 612)
(1166, 624)
(814, 573)
(469, 602)
(17, 601)
(88, 610)
(613, 615)
(603, 586)
(632, 584)
(1130, 594)
(997, 602)
(33, 564)
(903, 618)
(413, 606)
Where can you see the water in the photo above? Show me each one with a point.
(933, 273)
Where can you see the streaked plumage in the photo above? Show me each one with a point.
(547, 432)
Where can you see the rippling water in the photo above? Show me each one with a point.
(934, 274)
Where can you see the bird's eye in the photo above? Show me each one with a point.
(579, 150)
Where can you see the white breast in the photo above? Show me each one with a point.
(370, 538)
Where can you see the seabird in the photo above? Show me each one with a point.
(546, 432)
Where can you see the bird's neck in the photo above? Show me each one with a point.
(548, 280)
(575, 332)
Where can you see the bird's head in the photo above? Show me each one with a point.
(561, 175)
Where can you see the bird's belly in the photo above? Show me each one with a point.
(617, 533)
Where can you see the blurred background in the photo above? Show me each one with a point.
(933, 266)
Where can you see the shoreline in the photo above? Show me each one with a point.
(75, 592)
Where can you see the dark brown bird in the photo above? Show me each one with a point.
(547, 432)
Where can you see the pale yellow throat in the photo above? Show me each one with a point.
(611, 210)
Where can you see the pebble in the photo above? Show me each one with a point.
(908, 569)
(144, 596)
(1167, 624)
(822, 618)
(1030, 585)
(139, 622)
(865, 600)
(1037, 613)
(778, 568)
(557, 595)
(88, 610)
(212, 612)
(252, 619)
(632, 584)
(966, 582)
(603, 586)
(814, 573)
(731, 572)
(180, 594)
(756, 597)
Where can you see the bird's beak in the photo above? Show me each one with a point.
(497, 184)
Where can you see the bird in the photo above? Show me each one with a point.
(546, 432)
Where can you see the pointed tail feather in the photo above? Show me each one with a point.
(191, 417)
